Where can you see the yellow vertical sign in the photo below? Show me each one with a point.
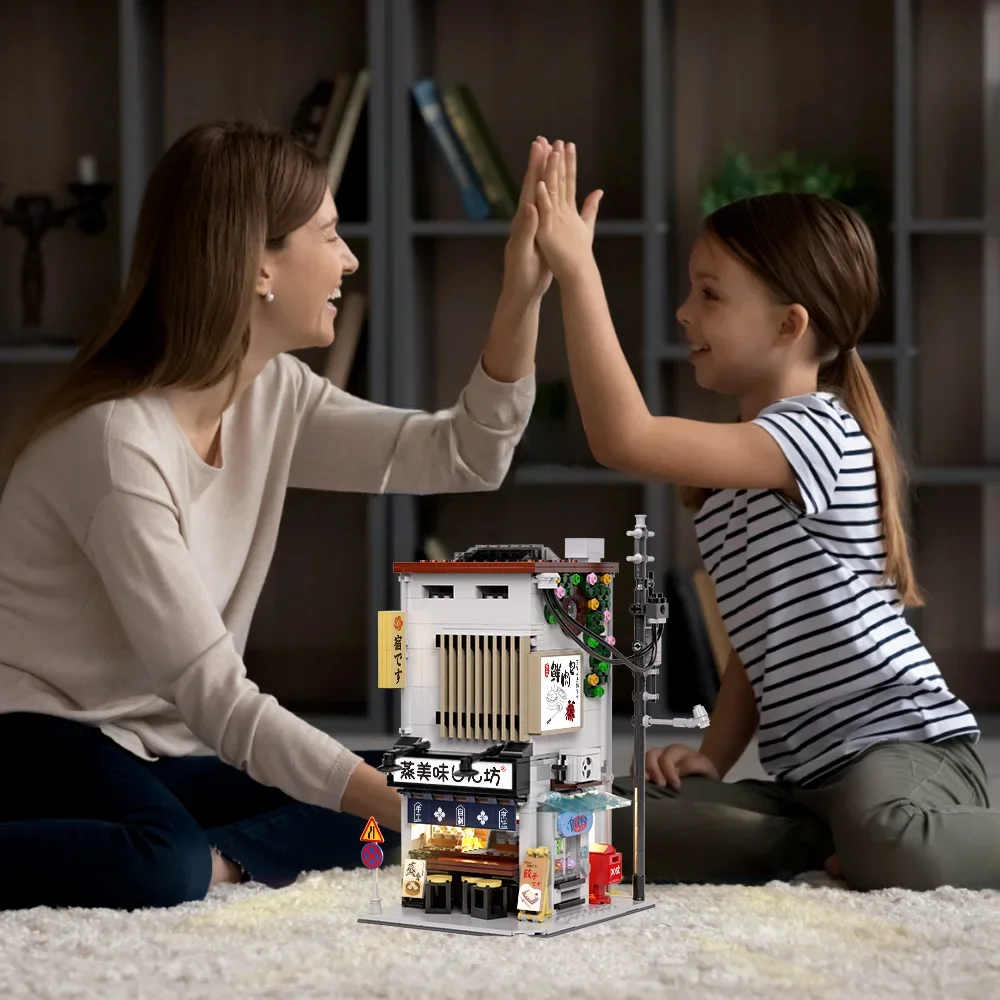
(391, 649)
(533, 894)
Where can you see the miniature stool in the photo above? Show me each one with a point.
(489, 899)
(437, 894)
(467, 881)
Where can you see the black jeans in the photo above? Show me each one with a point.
(84, 822)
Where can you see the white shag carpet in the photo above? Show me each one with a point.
(810, 940)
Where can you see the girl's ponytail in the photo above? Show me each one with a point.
(849, 379)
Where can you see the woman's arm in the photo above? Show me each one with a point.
(367, 794)
(509, 354)
(510, 347)
(190, 660)
(734, 718)
(351, 445)
(347, 444)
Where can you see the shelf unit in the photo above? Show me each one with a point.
(947, 270)
(154, 68)
(848, 82)
(646, 181)
(884, 84)
(438, 257)
(40, 354)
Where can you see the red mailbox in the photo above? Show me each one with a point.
(605, 870)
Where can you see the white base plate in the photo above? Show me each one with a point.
(561, 922)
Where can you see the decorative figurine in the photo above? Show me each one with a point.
(503, 658)
(35, 214)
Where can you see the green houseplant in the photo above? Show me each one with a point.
(738, 179)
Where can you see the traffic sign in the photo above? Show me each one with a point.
(372, 832)
(371, 855)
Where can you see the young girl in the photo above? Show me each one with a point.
(799, 524)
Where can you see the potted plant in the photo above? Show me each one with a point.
(738, 179)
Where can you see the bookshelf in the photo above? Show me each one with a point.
(947, 237)
(896, 86)
(446, 270)
(121, 79)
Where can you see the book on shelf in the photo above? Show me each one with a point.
(428, 101)
(337, 102)
(354, 105)
(467, 121)
(307, 122)
(349, 326)
(352, 189)
(332, 121)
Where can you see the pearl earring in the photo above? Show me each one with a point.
(269, 297)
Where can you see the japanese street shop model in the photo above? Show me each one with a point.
(503, 660)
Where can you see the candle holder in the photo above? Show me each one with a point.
(34, 215)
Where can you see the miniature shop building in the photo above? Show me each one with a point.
(505, 728)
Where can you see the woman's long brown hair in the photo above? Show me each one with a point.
(219, 196)
(819, 253)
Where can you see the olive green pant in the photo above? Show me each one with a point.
(904, 814)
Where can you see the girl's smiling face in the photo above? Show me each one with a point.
(736, 328)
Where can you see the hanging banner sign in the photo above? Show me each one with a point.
(444, 772)
(479, 815)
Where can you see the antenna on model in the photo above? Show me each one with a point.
(649, 613)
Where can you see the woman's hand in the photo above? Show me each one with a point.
(526, 276)
(368, 794)
(564, 234)
(509, 354)
(668, 765)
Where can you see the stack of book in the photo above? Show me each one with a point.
(455, 124)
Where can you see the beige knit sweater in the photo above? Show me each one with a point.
(130, 569)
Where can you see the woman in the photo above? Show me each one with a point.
(139, 520)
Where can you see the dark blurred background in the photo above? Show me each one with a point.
(425, 110)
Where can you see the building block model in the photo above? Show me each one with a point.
(503, 657)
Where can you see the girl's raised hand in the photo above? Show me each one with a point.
(565, 234)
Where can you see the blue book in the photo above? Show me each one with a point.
(425, 93)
